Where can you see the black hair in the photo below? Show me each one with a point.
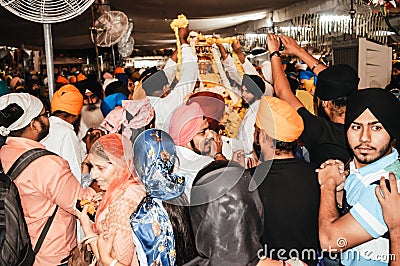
(286, 147)
(184, 238)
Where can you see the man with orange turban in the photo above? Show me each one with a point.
(66, 106)
(288, 187)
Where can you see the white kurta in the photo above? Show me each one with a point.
(189, 164)
(164, 107)
(63, 141)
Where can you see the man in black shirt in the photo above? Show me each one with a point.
(324, 139)
(289, 190)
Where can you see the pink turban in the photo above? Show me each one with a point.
(185, 123)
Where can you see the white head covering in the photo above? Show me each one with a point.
(31, 105)
(267, 71)
(108, 81)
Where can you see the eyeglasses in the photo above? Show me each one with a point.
(46, 114)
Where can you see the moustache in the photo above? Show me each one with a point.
(364, 147)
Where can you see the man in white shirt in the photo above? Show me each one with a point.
(196, 145)
(156, 85)
(66, 106)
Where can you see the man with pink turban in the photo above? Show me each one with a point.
(196, 145)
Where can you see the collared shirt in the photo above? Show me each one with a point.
(45, 183)
(367, 211)
(63, 141)
(189, 164)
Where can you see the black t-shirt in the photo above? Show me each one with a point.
(323, 139)
(290, 195)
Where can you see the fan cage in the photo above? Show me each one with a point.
(46, 11)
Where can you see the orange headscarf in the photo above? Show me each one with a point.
(110, 146)
(67, 99)
(279, 119)
(62, 80)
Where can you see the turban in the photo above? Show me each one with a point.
(154, 82)
(185, 123)
(254, 84)
(382, 104)
(336, 81)
(116, 86)
(17, 110)
(107, 82)
(212, 104)
(306, 75)
(91, 85)
(109, 103)
(107, 76)
(67, 99)
(279, 119)
(3, 88)
(62, 80)
(77, 78)
(14, 82)
(122, 78)
(119, 70)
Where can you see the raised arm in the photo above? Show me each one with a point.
(292, 47)
(281, 84)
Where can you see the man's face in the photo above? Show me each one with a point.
(90, 98)
(247, 96)
(204, 141)
(368, 139)
(44, 123)
(395, 72)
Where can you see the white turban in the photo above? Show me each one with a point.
(31, 106)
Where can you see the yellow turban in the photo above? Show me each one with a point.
(67, 99)
(279, 119)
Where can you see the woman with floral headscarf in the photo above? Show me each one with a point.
(161, 231)
(121, 198)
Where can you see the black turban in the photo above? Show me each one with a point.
(254, 84)
(91, 85)
(335, 82)
(154, 82)
(382, 104)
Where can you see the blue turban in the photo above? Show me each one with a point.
(111, 101)
(3, 88)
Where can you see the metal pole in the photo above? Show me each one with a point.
(113, 55)
(95, 44)
(48, 48)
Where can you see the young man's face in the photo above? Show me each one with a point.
(368, 139)
(247, 96)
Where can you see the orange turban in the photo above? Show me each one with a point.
(62, 80)
(279, 119)
(67, 99)
(119, 70)
(78, 78)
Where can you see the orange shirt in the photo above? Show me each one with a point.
(47, 181)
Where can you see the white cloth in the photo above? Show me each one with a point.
(245, 136)
(230, 68)
(63, 141)
(31, 105)
(170, 70)
(189, 164)
(164, 107)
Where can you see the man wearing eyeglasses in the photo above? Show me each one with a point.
(43, 184)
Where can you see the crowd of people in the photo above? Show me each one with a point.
(310, 178)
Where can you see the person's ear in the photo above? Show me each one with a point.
(33, 125)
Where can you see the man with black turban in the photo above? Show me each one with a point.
(323, 138)
(372, 129)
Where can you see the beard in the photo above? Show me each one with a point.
(368, 159)
(44, 130)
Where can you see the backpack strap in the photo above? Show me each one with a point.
(25, 159)
(44, 231)
(16, 169)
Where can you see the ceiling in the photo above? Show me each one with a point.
(151, 21)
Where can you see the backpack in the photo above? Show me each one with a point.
(15, 243)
